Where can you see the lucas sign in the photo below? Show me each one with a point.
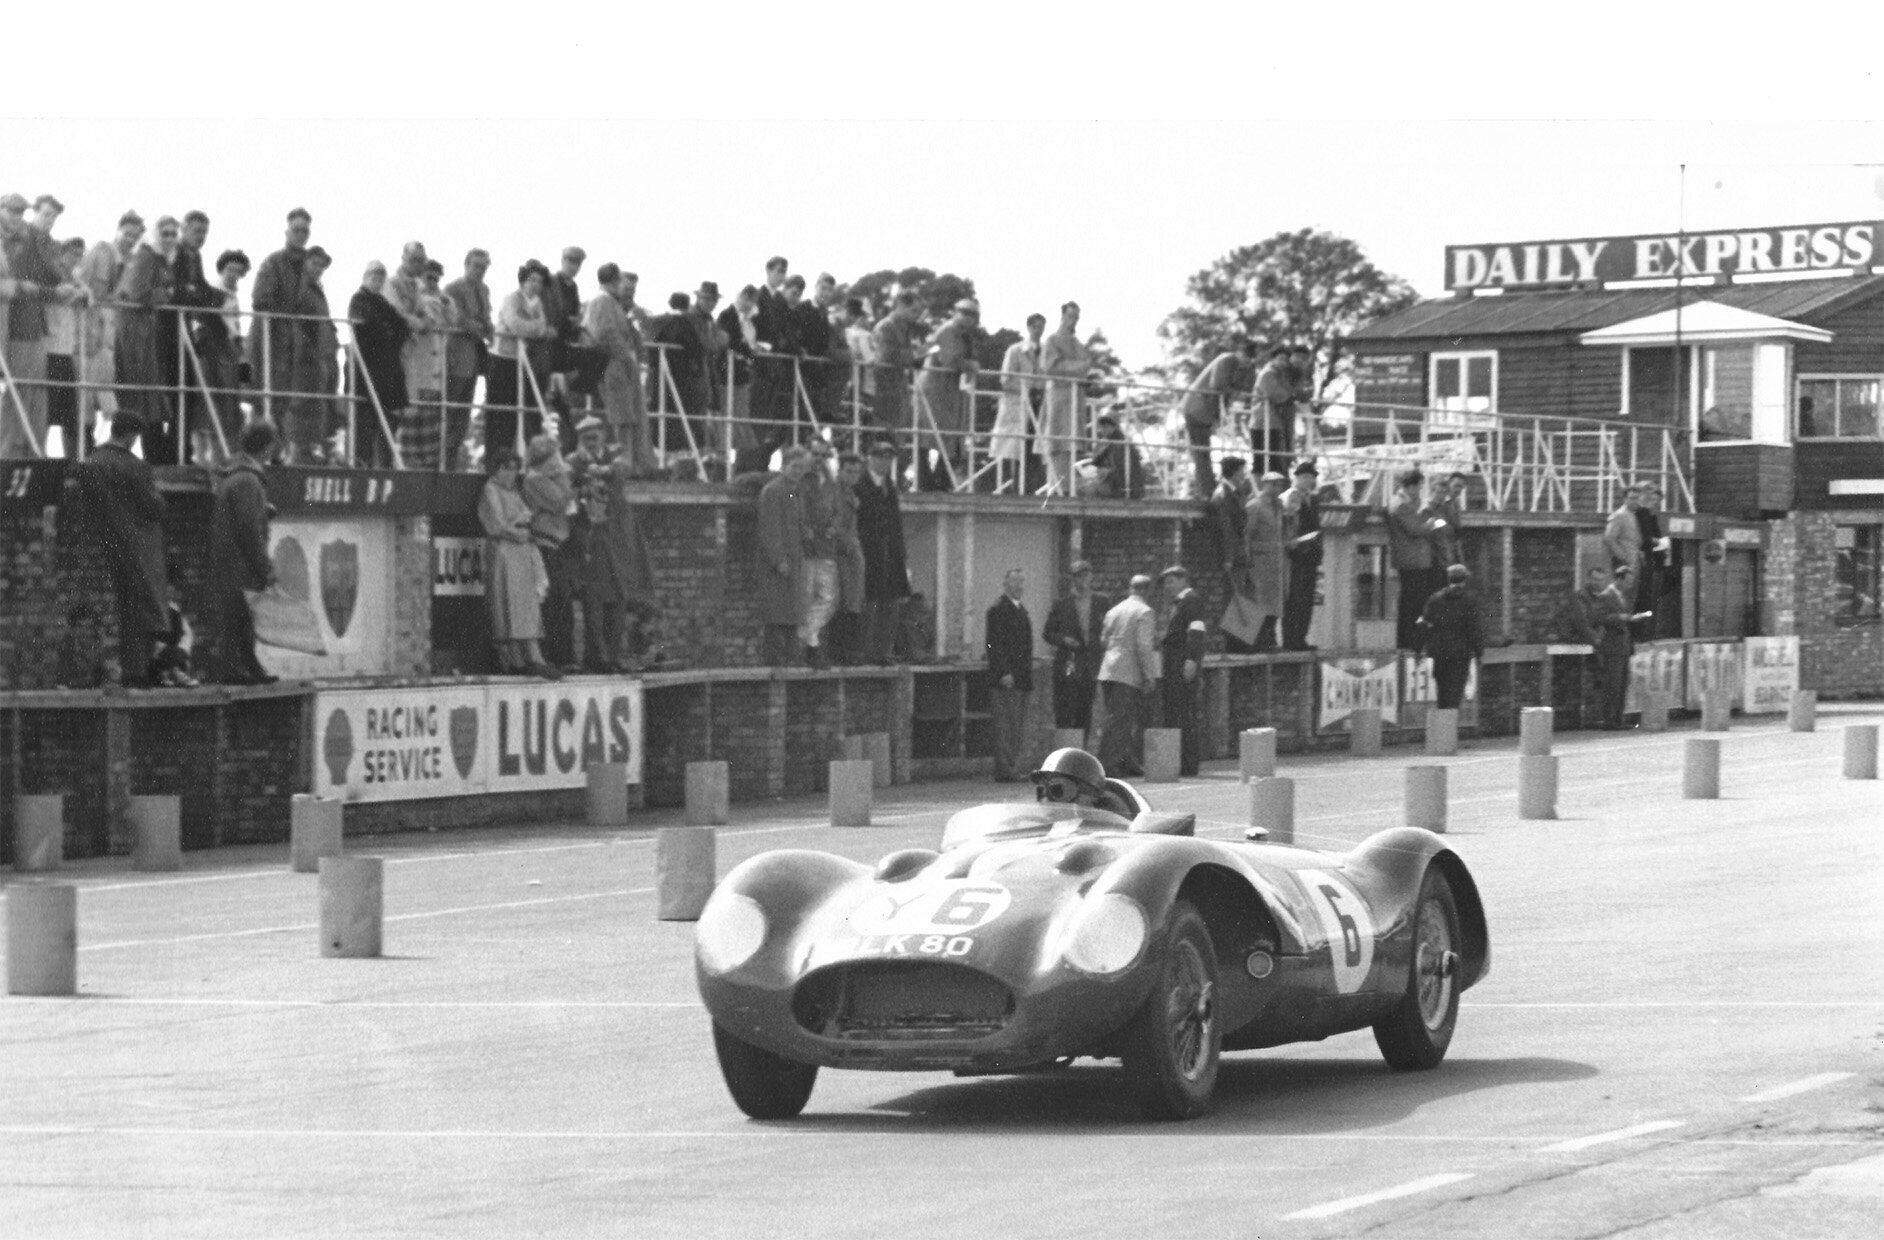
(407, 744)
(1796, 250)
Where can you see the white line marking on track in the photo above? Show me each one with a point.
(1796, 1087)
(1683, 1003)
(422, 1004)
(437, 912)
(1386, 1194)
(878, 1128)
(1620, 1134)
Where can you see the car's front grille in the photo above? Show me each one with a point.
(902, 1002)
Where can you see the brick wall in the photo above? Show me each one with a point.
(1839, 660)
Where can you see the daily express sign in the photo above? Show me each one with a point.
(1543, 264)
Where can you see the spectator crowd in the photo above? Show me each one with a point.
(145, 321)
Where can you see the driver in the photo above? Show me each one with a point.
(1075, 777)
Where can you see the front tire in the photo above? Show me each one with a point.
(1172, 1047)
(1417, 1032)
(763, 1085)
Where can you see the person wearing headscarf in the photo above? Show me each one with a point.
(380, 333)
(514, 581)
(524, 333)
(549, 491)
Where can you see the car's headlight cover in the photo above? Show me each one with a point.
(731, 928)
(1106, 934)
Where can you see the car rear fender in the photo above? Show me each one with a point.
(1392, 865)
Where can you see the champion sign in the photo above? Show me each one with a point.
(1800, 250)
(406, 744)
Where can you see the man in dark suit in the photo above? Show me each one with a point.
(886, 572)
(1010, 634)
(1074, 629)
(1301, 539)
(1182, 654)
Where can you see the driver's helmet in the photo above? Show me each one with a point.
(1070, 776)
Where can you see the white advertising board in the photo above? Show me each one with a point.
(1348, 685)
(443, 741)
(1769, 674)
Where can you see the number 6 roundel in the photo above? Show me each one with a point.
(1350, 930)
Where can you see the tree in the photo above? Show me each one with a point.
(939, 293)
(1307, 287)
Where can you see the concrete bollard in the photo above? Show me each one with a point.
(1537, 728)
(608, 794)
(848, 749)
(1164, 753)
(852, 782)
(709, 793)
(1700, 769)
(1442, 733)
(1426, 797)
(1069, 738)
(684, 871)
(1272, 807)
(42, 939)
(1717, 710)
(1537, 786)
(1364, 732)
(877, 749)
(1861, 751)
(1654, 711)
(1256, 753)
(314, 831)
(352, 906)
(156, 832)
(1802, 712)
(38, 833)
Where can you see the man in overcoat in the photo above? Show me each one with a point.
(127, 515)
(880, 533)
(779, 567)
(1264, 524)
(239, 559)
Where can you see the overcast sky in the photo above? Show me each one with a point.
(1092, 155)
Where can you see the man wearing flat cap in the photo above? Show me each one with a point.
(1301, 539)
(949, 367)
(1181, 653)
(1450, 633)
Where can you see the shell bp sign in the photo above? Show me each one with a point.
(407, 744)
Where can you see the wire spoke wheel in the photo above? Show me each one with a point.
(1419, 1029)
(1173, 1046)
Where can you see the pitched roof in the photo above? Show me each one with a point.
(1702, 321)
(1581, 310)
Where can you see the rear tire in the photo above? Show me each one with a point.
(1419, 1029)
(1172, 1047)
(763, 1085)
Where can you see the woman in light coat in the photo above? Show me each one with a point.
(514, 580)
(1021, 392)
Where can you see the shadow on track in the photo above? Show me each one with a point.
(1254, 1095)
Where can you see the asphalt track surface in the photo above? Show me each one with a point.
(1682, 1036)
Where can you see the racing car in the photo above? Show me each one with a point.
(1040, 933)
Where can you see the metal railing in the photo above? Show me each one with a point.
(995, 438)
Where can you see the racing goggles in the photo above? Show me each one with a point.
(1061, 788)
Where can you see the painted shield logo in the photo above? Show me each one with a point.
(340, 583)
(291, 567)
(337, 747)
(464, 739)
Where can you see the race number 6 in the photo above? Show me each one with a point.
(967, 907)
(1348, 925)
